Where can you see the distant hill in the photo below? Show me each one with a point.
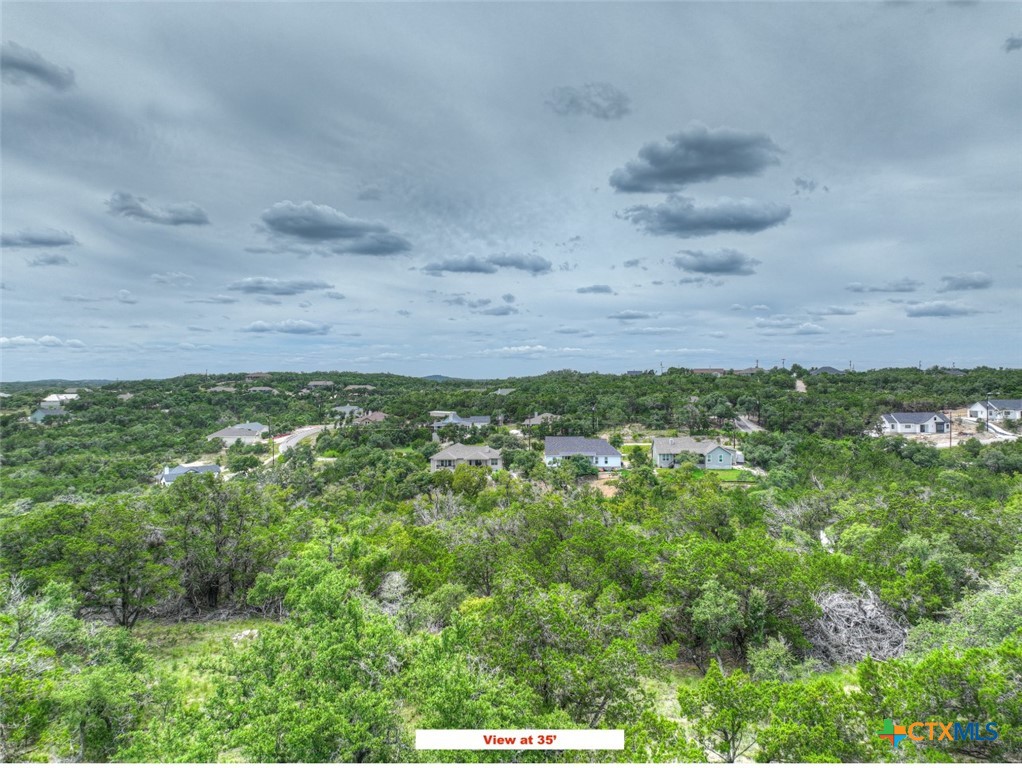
(438, 377)
(58, 384)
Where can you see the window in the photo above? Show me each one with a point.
(494, 462)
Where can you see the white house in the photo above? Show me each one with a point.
(249, 433)
(57, 399)
(915, 423)
(996, 410)
(168, 475)
(715, 456)
(600, 453)
(473, 455)
(463, 421)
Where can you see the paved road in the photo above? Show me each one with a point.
(287, 442)
(745, 425)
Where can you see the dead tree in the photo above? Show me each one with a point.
(851, 627)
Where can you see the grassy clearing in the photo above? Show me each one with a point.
(178, 647)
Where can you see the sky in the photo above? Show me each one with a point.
(489, 190)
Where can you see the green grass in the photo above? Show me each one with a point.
(180, 649)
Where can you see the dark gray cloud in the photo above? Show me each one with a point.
(461, 301)
(509, 298)
(322, 225)
(701, 280)
(595, 289)
(132, 207)
(939, 309)
(679, 217)
(470, 264)
(599, 100)
(696, 154)
(498, 311)
(336, 295)
(21, 65)
(38, 238)
(905, 285)
(271, 286)
(300, 327)
(965, 281)
(218, 299)
(723, 262)
(48, 260)
(531, 263)
(632, 263)
(1013, 43)
(180, 279)
(199, 329)
(631, 314)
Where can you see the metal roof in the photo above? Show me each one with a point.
(578, 446)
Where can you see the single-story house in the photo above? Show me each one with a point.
(58, 399)
(599, 452)
(317, 384)
(540, 418)
(168, 475)
(249, 433)
(373, 417)
(344, 411)
(826, 369)
(466, 421)
(715, 456)
(473, 455)
(254, 376)
(41, 414)
(264, 390)
(359, 388)
(996, 410)
(220, 388)
(926, 422)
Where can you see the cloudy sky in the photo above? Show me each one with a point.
(488, 189)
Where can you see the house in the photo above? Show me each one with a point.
(709, 371)
(715, 456)
(503, 391)
(221, 388)
(373, 417)
(439, 414)
(125, 396)
(540, 418)
(256, 376)
(466, 421)
(747, 371)
(359, 388)
(599, 452)
(996, 410)
(264, 390)
(168, 475)
(319, 384)
(473, 455)
(57, 399)
(344, 411)
(921, 423)
(826, 369)
(249, 433)
(41, 414)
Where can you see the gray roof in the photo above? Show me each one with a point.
(541, 418)
(321, 383)
(826, 369)
(578, 446)
(347, 409)
(675, 445)
(454, 418)
(1005, 405)
(459, 451)
(913, 418)
(170, 475)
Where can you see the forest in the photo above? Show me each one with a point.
(323, 604)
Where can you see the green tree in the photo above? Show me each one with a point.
(726, 712)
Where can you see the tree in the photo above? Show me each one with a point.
(716, 616)
(726, 712)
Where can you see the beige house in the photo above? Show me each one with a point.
(473, 455)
